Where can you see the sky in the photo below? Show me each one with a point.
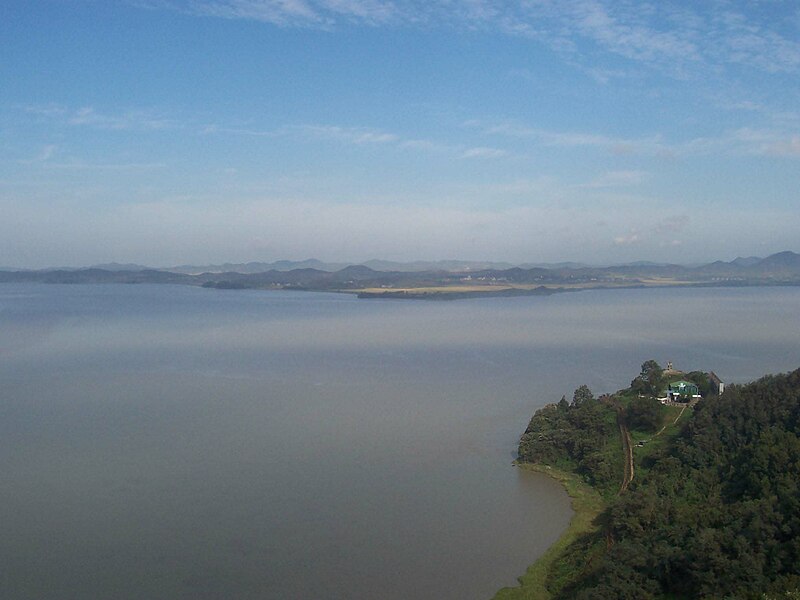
(168, 132)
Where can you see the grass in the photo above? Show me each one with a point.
(674, 417)
(587, 504)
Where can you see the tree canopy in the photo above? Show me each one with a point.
(713, 513)
(650, 380)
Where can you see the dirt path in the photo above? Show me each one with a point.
(627, 447)
(627, 444)
(680, 414)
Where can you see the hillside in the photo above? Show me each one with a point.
(712, 512)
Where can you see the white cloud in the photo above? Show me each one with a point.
(748, 141)
(749, 42)
(45, 110)
(742, 141)
(81, 165)
(483, 152)
(634, 237)
(617, 179)
(353, 135)
(289, 13)
(788, 147)
(674, 39)
(278, 12)
(368, 136)
(649, 145)
(370, 11)
(627, 35)
(88, 116)
(44, 154)
(136, 119)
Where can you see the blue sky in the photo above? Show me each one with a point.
(196, 131)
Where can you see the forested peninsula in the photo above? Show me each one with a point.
(679, 491)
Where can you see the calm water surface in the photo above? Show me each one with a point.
(175, 442)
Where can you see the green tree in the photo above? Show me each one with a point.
(644, 414)
(650, 380)
(582, 394)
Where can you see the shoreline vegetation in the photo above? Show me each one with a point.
(711, 510)
(587, 504)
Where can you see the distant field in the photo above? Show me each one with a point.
(484, 288)
(443, 289)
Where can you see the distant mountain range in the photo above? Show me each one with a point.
(446, 277)
(406, 267)
(313, 263)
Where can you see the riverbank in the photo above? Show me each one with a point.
(587, 504)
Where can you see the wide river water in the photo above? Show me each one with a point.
(164, 442)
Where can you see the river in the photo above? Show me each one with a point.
(178, 442)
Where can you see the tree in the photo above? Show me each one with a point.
(581, 395)
(650, 380)
(701, 380)
(644, 414)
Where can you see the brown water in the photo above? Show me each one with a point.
(173, 442)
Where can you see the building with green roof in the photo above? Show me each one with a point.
(682, 390)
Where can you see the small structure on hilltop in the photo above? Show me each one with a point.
(682, 391)
(670, 370)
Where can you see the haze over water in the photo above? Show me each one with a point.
(177, 442)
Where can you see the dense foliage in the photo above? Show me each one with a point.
(713, 513)
(644, 413)
(579, 436)
(701, 380)
(650, 381)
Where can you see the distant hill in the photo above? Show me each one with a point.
(749, 261)
(258, 267)
(436, 265)
(782, 261)
(559, 265)
(114, 266)
(463, 277)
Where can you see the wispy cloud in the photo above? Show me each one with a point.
(44, 154)
(88, 116)
(365, 136)
(614, 179)
(746, 41)
(616, 145)
(80, 165)
(673, 38)
(628, 34)
(483, 152)
(218, 129)
(742, 141)
(749, 141)
(633, 237)
(44, 110)
(666, 232)
(285, 13)
(353, 135)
